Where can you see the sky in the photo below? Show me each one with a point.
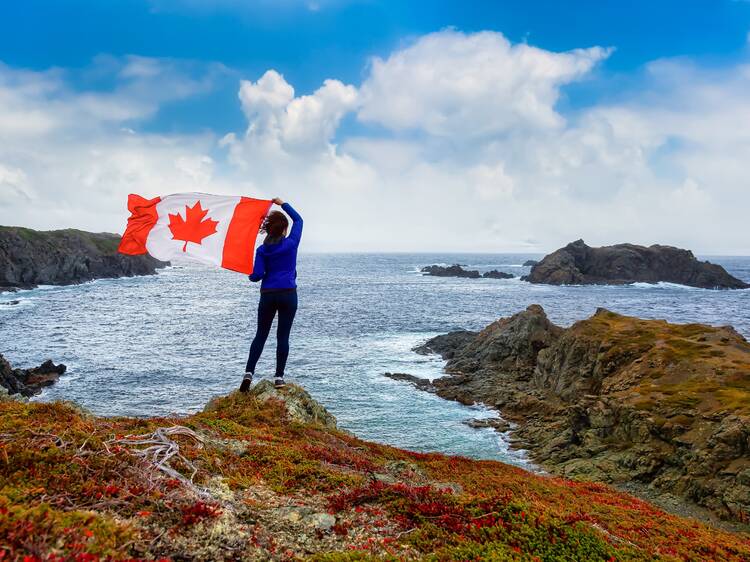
(502, 126)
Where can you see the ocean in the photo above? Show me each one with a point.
(167, 343)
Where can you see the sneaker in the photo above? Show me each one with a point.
(278, 382)
(246, 382)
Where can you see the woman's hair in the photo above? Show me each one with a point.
(275, 224)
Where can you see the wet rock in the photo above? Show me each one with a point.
(454, 270)
(446, 345)
(28, 382)
(420, 383)
(530, 263)
(10, 303)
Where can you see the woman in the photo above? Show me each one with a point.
(276, 268)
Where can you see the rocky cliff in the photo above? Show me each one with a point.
(580, 264)
(64, 257)
(268, 476)
(617, 399)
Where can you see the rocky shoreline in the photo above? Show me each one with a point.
(28, 382)
(615, 399)
(29, 258)
(580, 264)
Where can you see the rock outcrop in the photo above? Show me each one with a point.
(454, 270)
(420, 383)
(299, 405)
(580, 264)
(495, 274)
(446, 345)
(617, 399)
(28, 382)
(530, 263)
(63, 257)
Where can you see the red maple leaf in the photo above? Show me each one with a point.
(192, 228)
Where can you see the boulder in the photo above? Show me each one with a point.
(580, 264)
(299, 405)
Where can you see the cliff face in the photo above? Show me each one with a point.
(619, 399)
(579, 264)
(64, 257)
(268, 476)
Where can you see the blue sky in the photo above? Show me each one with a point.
(630, 112)
(308, 42)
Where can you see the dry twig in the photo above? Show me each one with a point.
(160, 449)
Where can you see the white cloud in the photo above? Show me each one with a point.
(451, 83)
(277, 120)
(69, 158)
(469, 150)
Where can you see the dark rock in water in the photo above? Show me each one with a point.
(63, 257)
(620, 400)
(530, 263)
(28, 382)
(579, 264)
(454, 270)
(446, 345)
(495, 274)
(10, 303)
(420, 383)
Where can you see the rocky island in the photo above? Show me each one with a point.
(268, 475)
(659, 408)
(580, 264)
(456, 270)
(63, 257)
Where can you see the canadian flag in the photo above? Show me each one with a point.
(216, 229)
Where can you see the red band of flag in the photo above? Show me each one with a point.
(143, 217)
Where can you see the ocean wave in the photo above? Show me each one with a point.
(663, 285)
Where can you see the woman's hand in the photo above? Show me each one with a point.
(278, 201)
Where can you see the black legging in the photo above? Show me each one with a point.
(285, 303)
